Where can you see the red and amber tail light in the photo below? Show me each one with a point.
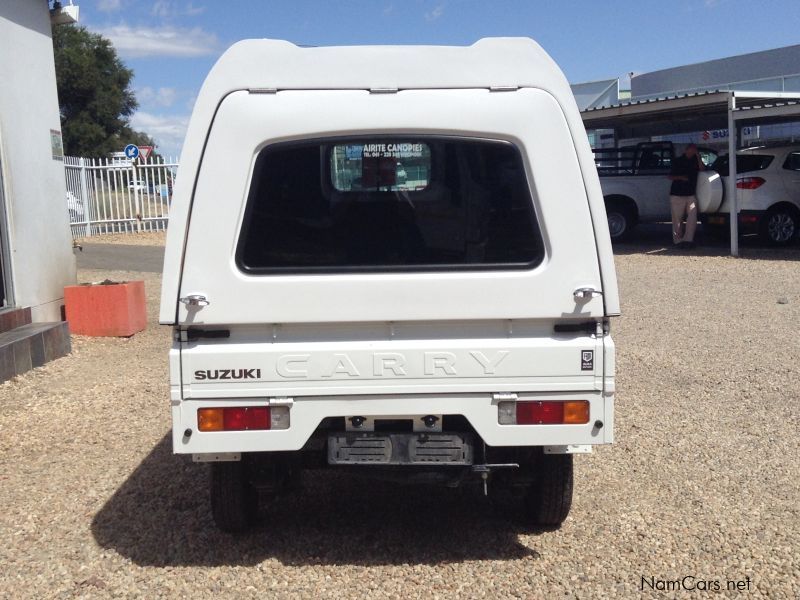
(543, 412)
(242, 418)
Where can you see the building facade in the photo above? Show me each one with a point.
(36, 256)
(776, 70)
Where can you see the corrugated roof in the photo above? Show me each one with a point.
(643, 101)
(774, 105)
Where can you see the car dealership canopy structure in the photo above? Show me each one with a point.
(696, 112)
(753, 95)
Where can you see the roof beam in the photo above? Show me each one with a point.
(653, 106)
(763, 112)
(768, 95)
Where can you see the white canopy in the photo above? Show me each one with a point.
(488, 63)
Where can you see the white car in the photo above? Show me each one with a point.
(454, 327)
(76, 208)
(768, 189)
(141, 186)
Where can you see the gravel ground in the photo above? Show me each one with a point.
(150, 238)
(704, 479)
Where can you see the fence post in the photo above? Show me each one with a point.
(136, 202)
(85, 197)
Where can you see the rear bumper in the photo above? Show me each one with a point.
(306, 414)
(748, 220)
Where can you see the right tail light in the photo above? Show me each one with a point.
(543, 412)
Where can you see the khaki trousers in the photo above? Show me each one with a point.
(683, 206)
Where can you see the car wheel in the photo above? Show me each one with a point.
(779, 226)
(620, 220)
(234, 500)
(550, 498)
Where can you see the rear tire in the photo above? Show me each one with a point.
(549, 501)
(621, 219)
(234, 500)
(779, 225)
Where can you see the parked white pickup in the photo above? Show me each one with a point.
(636, 185)
(412, 274)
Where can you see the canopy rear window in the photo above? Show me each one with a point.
(389, 204)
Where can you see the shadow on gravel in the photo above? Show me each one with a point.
(655, 239)
(160, 516)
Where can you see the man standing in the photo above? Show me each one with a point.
(682, 196)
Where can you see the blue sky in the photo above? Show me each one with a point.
(172, 44)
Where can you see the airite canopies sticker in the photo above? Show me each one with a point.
(401, 150)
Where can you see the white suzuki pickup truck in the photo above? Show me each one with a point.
(389, 259)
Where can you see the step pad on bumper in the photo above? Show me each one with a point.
(400, 449)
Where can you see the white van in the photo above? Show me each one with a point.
(392, 259)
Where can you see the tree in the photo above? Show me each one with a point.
(94, 93)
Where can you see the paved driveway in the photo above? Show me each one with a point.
(120, 257)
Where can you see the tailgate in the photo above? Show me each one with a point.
(397, 359)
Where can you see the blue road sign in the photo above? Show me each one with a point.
(132, 151)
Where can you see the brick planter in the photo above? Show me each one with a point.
(106, 309)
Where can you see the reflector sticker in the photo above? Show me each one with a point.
(587, 360)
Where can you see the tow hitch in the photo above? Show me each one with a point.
(486, 469)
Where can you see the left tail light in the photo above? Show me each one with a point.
(242, 418)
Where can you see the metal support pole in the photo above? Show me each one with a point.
(85, 198)
(137, 203)
(730, 191)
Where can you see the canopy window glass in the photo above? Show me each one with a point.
(376, 167)
(388, 204)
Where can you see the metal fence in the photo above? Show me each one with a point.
(118, 196)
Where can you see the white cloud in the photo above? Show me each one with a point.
(171, 8)
(434, 14)
(145, 95)
(161, 8)
(190, 102)
(167, 130)
(163, 96)
(191, 10)
(161, 41)
(109, 5)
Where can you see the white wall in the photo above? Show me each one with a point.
(42, 260)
